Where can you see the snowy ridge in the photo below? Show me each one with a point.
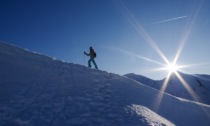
(36, 90)
(198, 83)
(181, 99)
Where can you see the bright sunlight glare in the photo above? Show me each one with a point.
(172, 68)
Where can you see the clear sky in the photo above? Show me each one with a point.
(129, 36)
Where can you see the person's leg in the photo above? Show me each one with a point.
(94, 63)
(89, 65)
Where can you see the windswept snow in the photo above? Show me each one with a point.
(36, 90)
(149, 116)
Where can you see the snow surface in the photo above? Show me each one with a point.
(200, 85)
(36, 90)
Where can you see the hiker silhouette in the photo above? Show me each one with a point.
(92, 55)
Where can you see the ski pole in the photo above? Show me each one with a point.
(84, 59)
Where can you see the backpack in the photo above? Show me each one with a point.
(94, 54)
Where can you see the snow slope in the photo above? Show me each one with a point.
(200, 84)
(36, 90)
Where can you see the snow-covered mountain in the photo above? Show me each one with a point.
(200, 85)
(36, 90)
(144, 80)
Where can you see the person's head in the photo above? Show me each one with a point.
(91, 47)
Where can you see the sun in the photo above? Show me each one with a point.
(172, 68)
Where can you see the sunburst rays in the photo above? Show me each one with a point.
(130, 17)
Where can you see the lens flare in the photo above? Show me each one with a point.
(171, 67)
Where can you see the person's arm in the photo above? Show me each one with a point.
(86, 54)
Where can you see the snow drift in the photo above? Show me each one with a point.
(36, 90)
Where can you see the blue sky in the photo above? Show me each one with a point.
(126, 34)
